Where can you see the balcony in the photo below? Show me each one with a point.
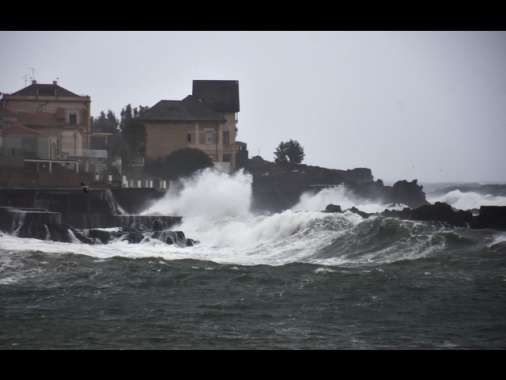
(89, 153)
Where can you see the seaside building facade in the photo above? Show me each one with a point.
(47, 137)
(206, 120)
(45, 131)
(55, 112)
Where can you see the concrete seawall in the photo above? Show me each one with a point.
(98, 208)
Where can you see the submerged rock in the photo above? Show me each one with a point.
(489, 216)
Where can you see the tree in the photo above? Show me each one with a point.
(134, 135)
(289, 153)
(133, 131)
(105, 123)
(179, 164)
(128, 136)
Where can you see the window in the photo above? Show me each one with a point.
(209, 137)
(73, 119)
(189, 137)
(226, 138)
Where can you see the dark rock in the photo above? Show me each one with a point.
(157, 225)
(103, 236)
(134, 237)
(401, 214)
(333, 208)
(276, 188)
(172, 238)
(491, 217)
(361, 213)
(371, 191)
(190, 242)
(409, 193)
(84, 239)
(442, 212)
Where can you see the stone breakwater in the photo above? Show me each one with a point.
(95, 217)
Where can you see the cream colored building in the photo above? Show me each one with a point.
(55, 112)
(205, 120)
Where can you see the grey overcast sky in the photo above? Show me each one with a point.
(426, 105)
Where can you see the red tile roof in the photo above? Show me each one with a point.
(39, 89)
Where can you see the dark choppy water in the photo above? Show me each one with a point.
(301, 279)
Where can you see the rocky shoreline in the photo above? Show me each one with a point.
(276, 189)
(493, 217)
(99, 218)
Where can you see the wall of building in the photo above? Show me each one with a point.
(163, 139)
(28, 146)
(61, 107)
(205, 136)
(231, 149)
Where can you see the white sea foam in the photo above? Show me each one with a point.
(215, 208)
(216, 212)
(499, 238)
(341, 196)
(468, 200)
(209, 195)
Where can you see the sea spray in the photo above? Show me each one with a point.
(216, 211)
(341, 196)
(468, 200)
(215, 208)
(209, 194)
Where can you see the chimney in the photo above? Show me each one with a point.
(34, 81)
(54, 82)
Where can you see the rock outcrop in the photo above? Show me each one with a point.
(276, 188)
(493, 217)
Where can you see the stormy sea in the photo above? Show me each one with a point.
(301, 279)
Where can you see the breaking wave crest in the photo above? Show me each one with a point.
(216, 213)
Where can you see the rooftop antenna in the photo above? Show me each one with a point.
(33, 72)
(25, 79)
